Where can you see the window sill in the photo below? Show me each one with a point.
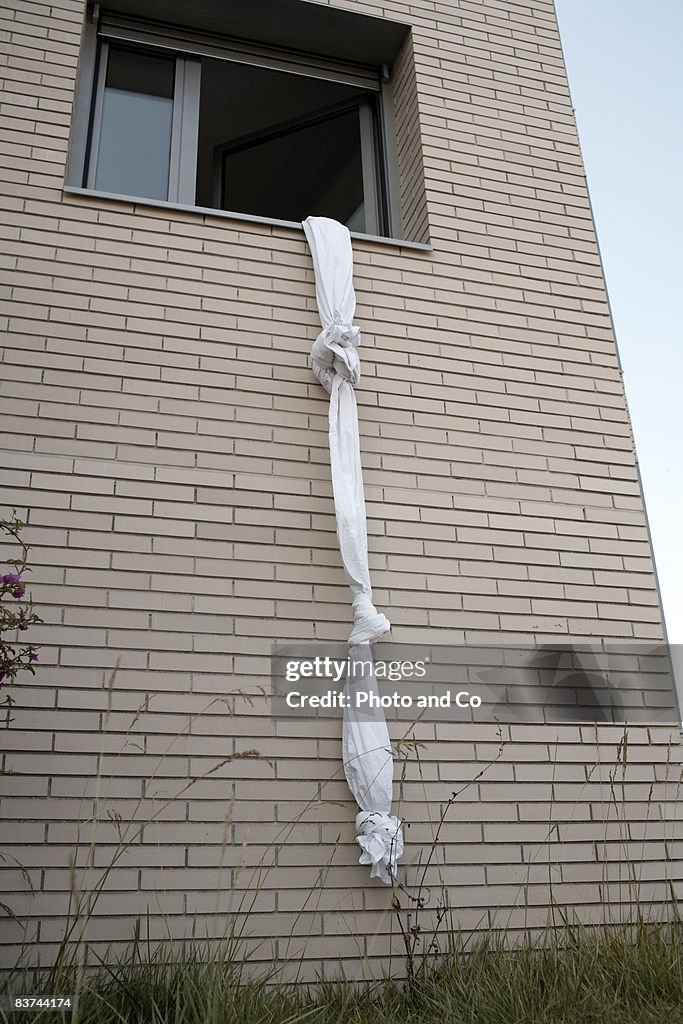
(206, 211)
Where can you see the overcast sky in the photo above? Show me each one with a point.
(626, 76)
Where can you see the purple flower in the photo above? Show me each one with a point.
(33, 656)
(23, 626)
(19, 591)
(11, 579)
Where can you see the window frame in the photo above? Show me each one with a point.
(184, 125)
(380, 184)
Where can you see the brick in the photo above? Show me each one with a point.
(169, 445)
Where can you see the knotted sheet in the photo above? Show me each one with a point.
(366, 748)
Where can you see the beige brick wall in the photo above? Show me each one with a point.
(167, 441)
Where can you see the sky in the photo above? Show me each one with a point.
(626, 78)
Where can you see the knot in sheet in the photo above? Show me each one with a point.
(381, 839)
(366, 748)
(336, 364)
(335, 352)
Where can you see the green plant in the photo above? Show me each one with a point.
(576, 976)
(410, 914)
(16, 613)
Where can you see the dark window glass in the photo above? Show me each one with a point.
(282, 145)
(311, 169)
(133, 155)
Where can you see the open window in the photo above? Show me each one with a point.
(178, 116)
(293, 147)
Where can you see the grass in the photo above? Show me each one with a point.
(625, 975)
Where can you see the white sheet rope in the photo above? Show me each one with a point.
(366, 748)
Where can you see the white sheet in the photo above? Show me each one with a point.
(366, 749)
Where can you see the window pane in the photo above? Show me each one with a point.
(134, 151)
(311, 170)
(275, 144)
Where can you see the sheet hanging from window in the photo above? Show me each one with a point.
(366, 748)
